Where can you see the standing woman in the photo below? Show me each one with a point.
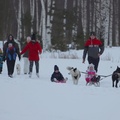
(34, 49)
(25, 56)
(10, 51)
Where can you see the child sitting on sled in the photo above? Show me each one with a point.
(91, 75)
(57, 76)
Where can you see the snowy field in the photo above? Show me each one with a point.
(24, 98)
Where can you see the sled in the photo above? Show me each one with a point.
(94, 81)
(62, 81)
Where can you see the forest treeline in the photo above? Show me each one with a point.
(59, 23)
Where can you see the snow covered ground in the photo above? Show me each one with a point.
(24, 98)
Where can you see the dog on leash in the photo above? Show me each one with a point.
(116, 77)
(18, 69)
(75, 74)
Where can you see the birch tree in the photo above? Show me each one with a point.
(19, 30)
(37, 17)
(49, 25)
(107, 22)
(44, 26)
(32, 11)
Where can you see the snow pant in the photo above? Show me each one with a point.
(10, 66)
(94, 61)
(1, 66)
(1, 63)
(26, 65)
(36, 65)
(88, 79)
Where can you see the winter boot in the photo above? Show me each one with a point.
(30, 75)
(37, 75)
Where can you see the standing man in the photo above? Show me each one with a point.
(10, 51)
(94, 48)
(34, 49)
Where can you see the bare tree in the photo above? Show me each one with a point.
(49, 25)
(37, 16)
(32, 11)
(44, 26)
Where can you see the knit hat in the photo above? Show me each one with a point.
(92, 33)
(10, 45)
(56, 68)
(33, 37)
(28, 39)
(91, 65)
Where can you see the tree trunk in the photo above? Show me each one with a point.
(32, 11)
(19, 32)
(37, 19)
(45, 45)
(48, 24)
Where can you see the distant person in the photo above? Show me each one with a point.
(34, 48)
(10, 51)
(57, 76)
(25, 56)
(94, 48)
(1, 60)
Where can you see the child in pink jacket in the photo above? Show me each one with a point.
(90, 73)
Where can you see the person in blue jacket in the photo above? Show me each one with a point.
(57, 76)
(10, 52)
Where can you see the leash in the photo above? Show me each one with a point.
(104, 76)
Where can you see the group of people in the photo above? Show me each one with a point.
(32, 48)
(94, 48)
(31, 52)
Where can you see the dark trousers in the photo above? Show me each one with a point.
(36, 65)
(0, 69)
(10, 66)
(1, 66)
(94, 61)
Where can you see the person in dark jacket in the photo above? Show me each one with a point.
(57, 76)
(94, 48)
(1, 60)
(34, 48)
(10, 51)
(25, 56)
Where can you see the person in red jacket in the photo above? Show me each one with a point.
(94, 48)
(34, 49)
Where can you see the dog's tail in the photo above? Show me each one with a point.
(69, 68)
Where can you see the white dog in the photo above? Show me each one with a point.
(18, 69)
(75, 73)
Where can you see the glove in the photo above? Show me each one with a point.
(19, 56)
(4, 58)
(55, 79)
(83, 61)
